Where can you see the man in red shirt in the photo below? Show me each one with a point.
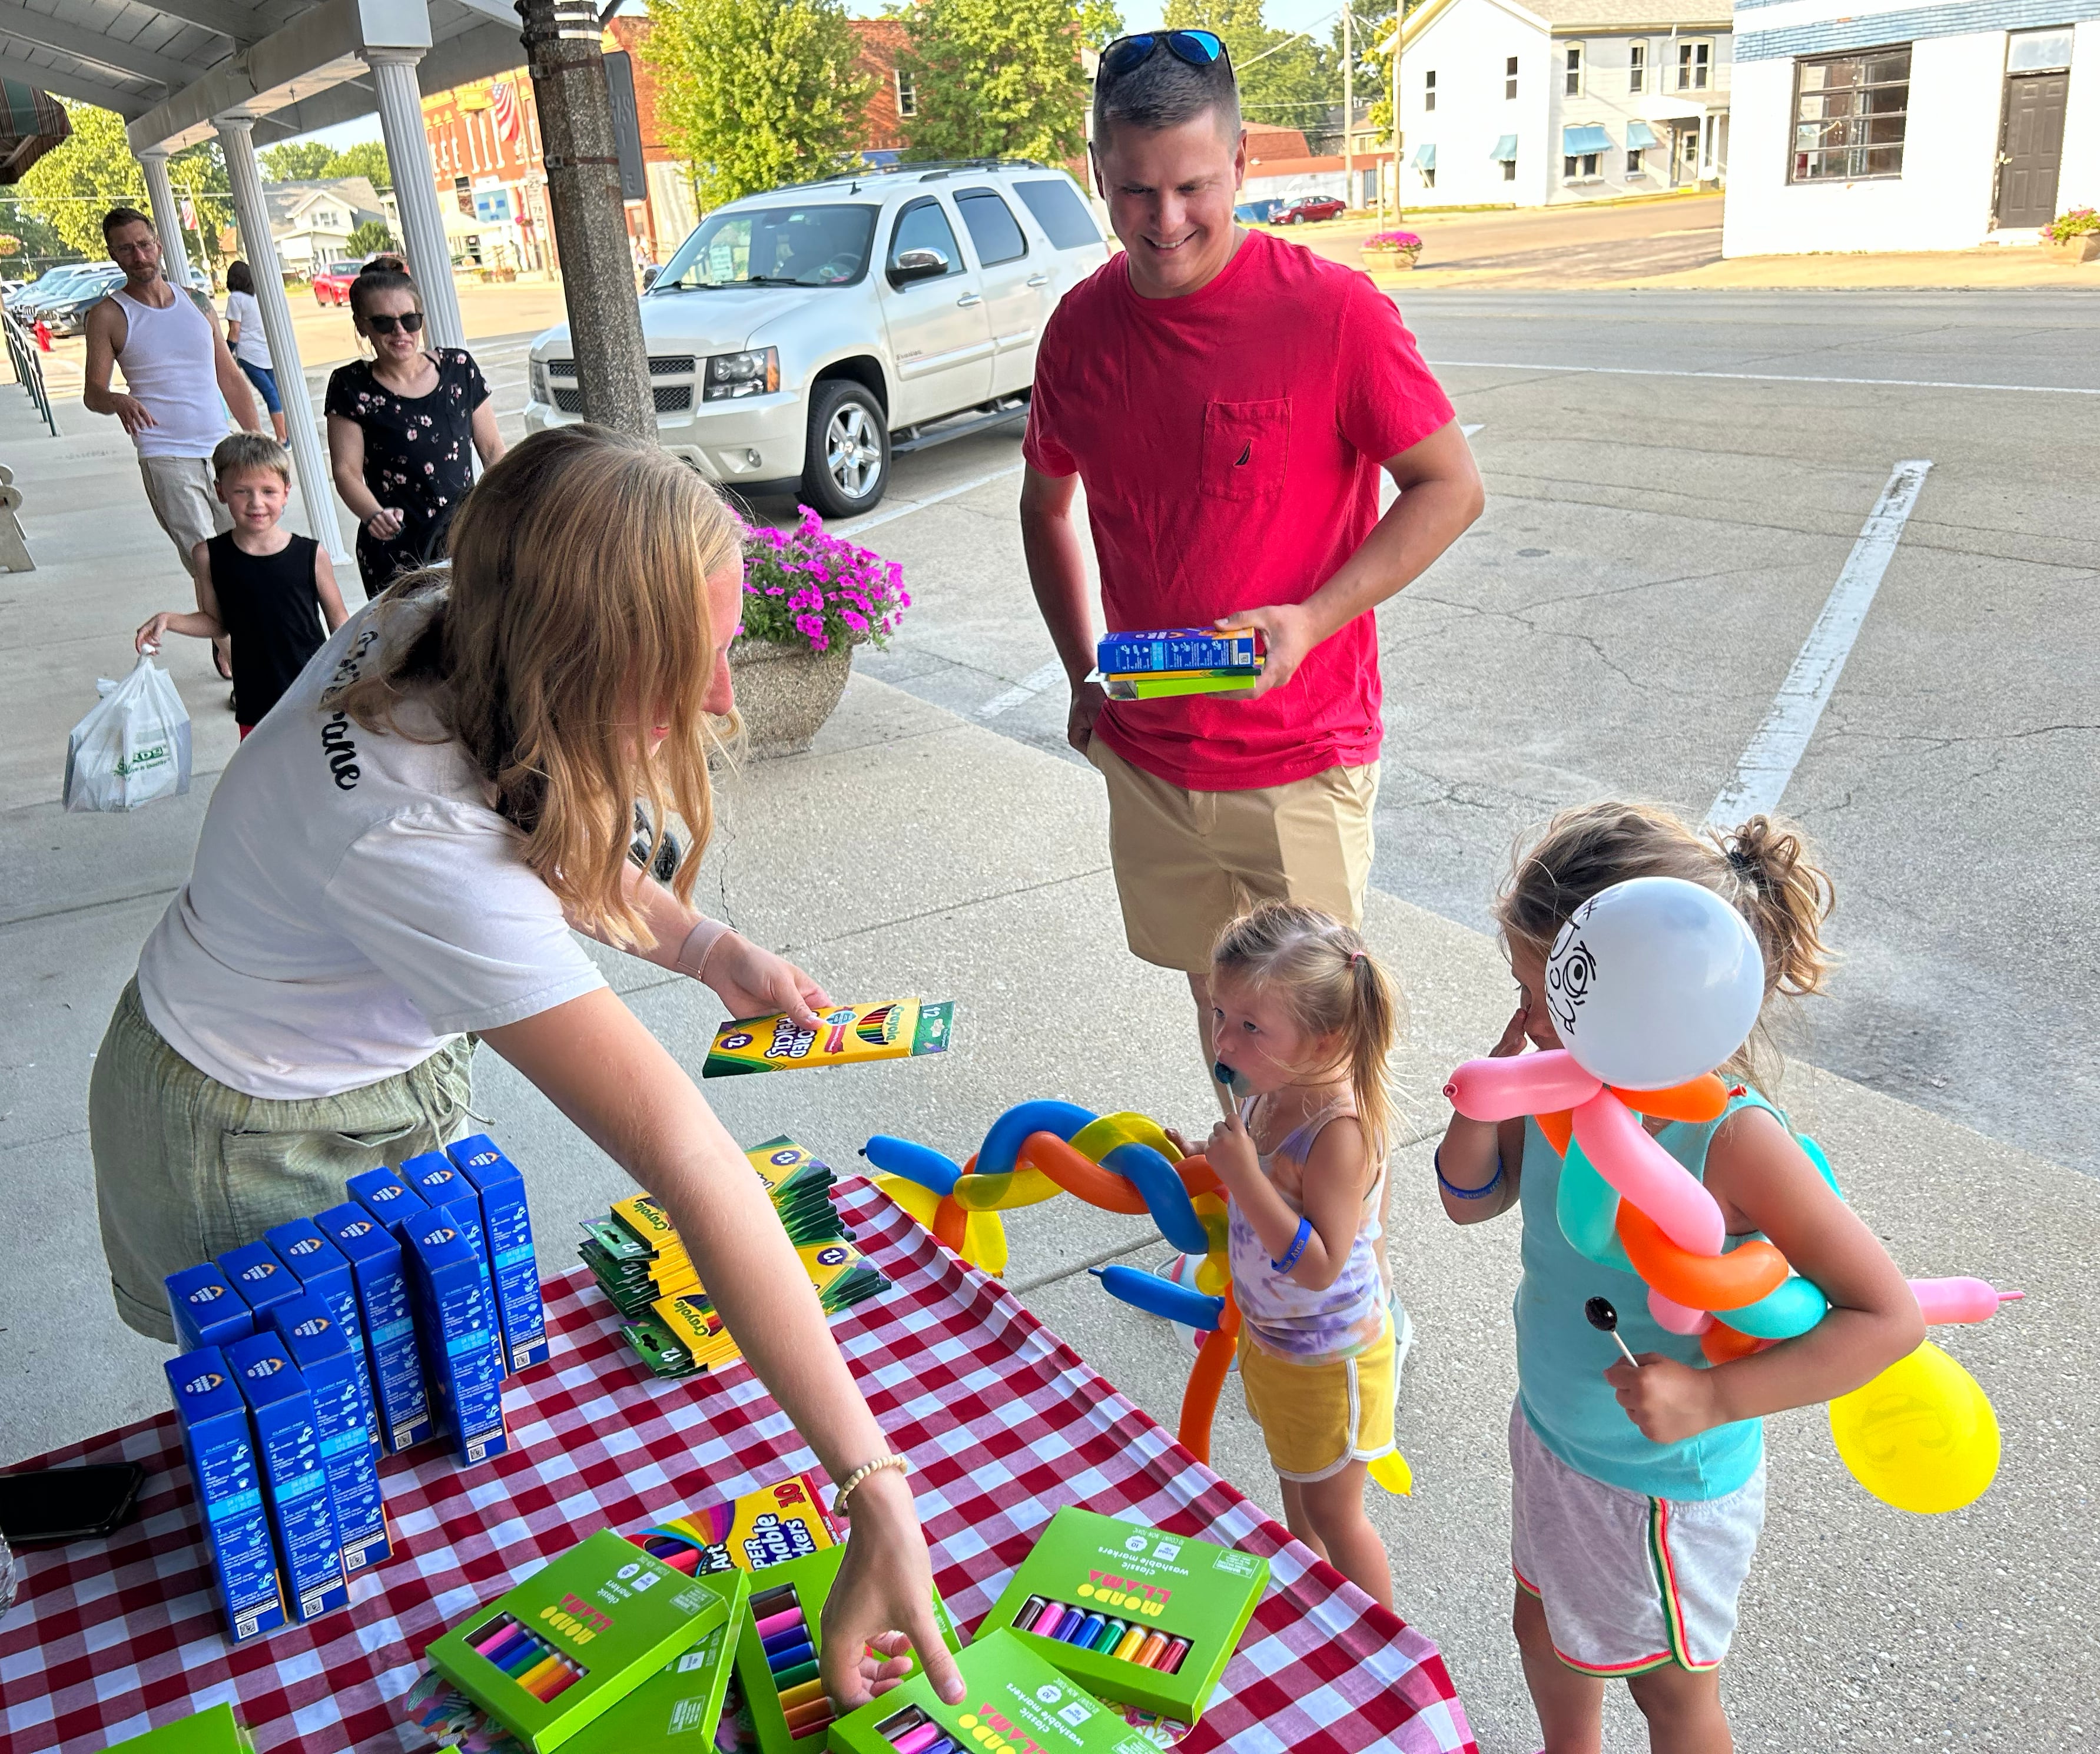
(1228, 399)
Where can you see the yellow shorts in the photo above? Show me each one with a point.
(1318, 1418)
(1188, 863)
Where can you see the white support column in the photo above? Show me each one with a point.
(252, 211)
(416, 190)
(167, 218)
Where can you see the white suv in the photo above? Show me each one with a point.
(799, 339)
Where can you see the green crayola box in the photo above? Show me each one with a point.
(216, 1731)
(783, 1706)
(1015, 1700)
(562, 1649)
(1132, 1613)
(898, 1029)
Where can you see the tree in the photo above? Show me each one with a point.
(368, 158)
(994, 78)
(296, 161)
(1100, 23)
(370, 238)
(38, 242)
(755, 93)
(71, 186)
(1286, 80)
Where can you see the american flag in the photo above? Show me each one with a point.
(503, 100)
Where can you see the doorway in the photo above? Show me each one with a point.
(1684, 154)
(2030, 148)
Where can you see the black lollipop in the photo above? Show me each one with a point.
(1605, 1319)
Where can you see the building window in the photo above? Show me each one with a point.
(1574, 86)
(1509, 77)
(1634, 164)
(1429, 177)
(1695, 63)
(1428, 91)
(1509, 171)
(1572, 167)
(1848, 115)
(907, 95)
(1636, 68)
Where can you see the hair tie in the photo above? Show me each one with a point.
(1355, 957)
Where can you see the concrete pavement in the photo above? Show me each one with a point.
(913, 849)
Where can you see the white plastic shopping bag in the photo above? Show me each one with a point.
(133, 747)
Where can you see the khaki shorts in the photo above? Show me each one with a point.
(1188, 863)
(1318, 1418)
(186, 1168)
(179, 488)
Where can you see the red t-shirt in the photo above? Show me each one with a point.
(1230, 443)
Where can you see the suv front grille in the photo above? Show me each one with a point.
(660, 365)
(670, 399)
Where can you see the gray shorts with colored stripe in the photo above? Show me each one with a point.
(1628, 1582)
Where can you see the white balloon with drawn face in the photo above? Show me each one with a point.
(1653, 981)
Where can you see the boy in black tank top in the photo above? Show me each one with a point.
(269, 589)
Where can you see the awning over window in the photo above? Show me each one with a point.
(32, 122)
(1425, 157)
(1505, 152)
(1591, 139)
(1639, 136)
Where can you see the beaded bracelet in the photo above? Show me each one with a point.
(1457, 1192)
(1292, 1255)
(860, 1474)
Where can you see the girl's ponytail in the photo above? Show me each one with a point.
(1785, 898)
(1373, 1026)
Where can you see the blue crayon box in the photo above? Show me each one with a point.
(389, 1198)
(462, 1348)
(441, 1188)
(388, 1326)
(207, 1310)
(1182, 649)
(507, 1226)
(324, 1273)
(295, 1487)
(255, 1271)
(334, 1373)
(220, 1445)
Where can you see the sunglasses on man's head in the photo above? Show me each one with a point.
(1198, 48)
(409, 322)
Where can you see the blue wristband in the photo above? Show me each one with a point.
(1295, 1252)
(1457, 1192)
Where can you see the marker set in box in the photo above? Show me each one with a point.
(1181, 661)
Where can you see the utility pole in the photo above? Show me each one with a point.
(1349, 108)
(1398, 145)
(562, 50)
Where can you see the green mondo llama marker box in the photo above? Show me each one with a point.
(678, 1709)
(777, 1653)
(579, 1636)
(1015, 1704)
(1134, 1614)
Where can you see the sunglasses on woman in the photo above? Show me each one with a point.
(409, 322)
(1198, 48)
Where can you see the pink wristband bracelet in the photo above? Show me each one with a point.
(699, 945)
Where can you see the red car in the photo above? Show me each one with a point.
(1312, 207)
(331, 286)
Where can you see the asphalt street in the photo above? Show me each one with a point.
(1675, 483)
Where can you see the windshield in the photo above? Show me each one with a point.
(812, 246)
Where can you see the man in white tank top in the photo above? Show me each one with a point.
(180, 379)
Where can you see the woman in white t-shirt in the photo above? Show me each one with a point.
(390, 869)
(250, 345)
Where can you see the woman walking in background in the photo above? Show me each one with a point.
(400, 427)
(251, 347)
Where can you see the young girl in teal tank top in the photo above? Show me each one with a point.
(1638, 1488)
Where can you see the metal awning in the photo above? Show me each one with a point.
(1639, 136)
(1589, 138)
(1505, 152)
(32, 122)
(1425, 157)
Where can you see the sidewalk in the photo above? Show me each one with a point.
(875, 861)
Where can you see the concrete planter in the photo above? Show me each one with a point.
(1393, 261)
(2074, 250)
(785, 693)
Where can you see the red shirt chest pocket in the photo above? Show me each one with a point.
(1246, 446)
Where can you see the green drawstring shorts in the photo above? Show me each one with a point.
(186, 1168)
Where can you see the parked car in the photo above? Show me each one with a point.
(800, 339)
(52, 287)
(1312, 207)
(65, 309)
(332, 285)
(1258, 212)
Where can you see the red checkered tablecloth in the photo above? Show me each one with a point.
(1003, 1422)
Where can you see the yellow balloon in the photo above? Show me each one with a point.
(984, 1244)
(1213, 1273)
(1097, 1139)
(1392, 1472)
(920, 1202)
(1921, 1436)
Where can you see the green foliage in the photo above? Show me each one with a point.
(296, 161)
(757, 93)
(368, 158)
(1286, 80)
(1100, 23)
(1374, 72)
(996, 78)
(70, 188)
(370, 238)
(38, 245)
(2080, 222)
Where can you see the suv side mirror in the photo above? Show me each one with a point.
(649, 276)
(917, 265)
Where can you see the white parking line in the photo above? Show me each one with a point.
(1769, 761)
(1753, 377)
(1023, 691)
(910, 506)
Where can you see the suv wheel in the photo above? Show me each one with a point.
(846, 466)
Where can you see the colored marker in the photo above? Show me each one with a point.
(494, 1635)
(1047, 1621)
(787, 1638)
(1090, 1629)
(1070, 1623)
(526, 1654)
(1155, 1646)
(796, 1698)
(1111, 1636)
(1133, 1641)
(817, 1710)
(917, 1740)
(771, 1601)
(794, 1677)
(787, 1619)
(793, 1650)
(1028, 1610)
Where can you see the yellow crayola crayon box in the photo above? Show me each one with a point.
(847, 1035)
(838, 1271)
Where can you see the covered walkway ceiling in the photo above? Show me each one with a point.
(167, 67)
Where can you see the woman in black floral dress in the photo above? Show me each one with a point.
(399, 426)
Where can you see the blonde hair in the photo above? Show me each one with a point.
(574, 611)
(1763, 869)
(244, 453)
(1331, 985)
